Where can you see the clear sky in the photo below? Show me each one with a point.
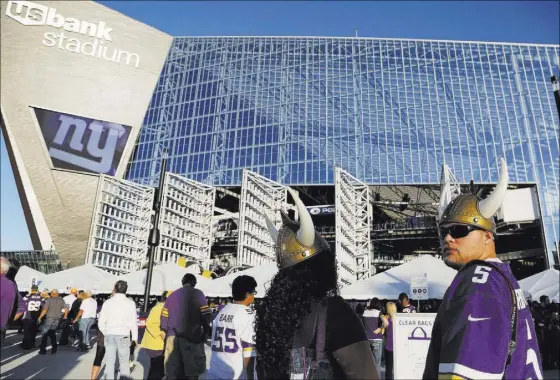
(501, 21)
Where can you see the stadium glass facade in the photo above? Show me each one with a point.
(387, 111)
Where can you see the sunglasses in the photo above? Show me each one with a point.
(456, 231)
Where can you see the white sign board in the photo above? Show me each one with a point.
(411, 340)
(419, 287)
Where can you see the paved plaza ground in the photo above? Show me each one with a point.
(68, 363)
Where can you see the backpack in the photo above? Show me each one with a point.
(311, 363)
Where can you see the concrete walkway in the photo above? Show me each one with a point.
(68, 363)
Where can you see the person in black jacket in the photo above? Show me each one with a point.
(68, 329)
(74, 310)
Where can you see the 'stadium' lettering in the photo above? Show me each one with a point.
(93, 48)
(31, 14)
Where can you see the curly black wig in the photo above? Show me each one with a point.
(291, 294)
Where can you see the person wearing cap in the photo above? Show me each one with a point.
(33, 303)
(483, 328)
(154, 339)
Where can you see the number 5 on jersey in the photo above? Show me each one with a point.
(481, 274)
(230, 345)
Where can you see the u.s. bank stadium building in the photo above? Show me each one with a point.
(366, 130)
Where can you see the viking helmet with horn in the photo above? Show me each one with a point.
(296, 242)
(468, 209)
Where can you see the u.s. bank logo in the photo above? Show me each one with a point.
(99, 45)
(29, 14)
(79, 143)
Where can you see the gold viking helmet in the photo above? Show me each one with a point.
(296, 242)
(468, 209)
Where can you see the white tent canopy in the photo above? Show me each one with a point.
(25, 276)
(389, 284)
(84, 277)
(545, 283)
(164, 277)
(263, 274)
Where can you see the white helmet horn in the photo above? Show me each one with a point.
(306, 232)
(271, 228)
(488, 206)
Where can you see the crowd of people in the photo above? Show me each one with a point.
(302, 328)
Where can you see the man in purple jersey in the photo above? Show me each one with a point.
(472, 333)
(405, 305)
(34, 303)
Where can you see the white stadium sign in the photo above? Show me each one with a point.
(411, 340)
(33, 14)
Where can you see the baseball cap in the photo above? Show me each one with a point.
(74, 291)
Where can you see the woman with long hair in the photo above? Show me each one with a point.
(388, 321)
(302, 309)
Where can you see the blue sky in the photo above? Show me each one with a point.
(502, 21)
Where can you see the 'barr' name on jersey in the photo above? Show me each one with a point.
(232, 342)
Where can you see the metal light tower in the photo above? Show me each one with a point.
(154, 239)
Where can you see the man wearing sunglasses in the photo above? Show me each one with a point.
(483, 328)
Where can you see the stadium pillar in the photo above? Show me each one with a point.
(153, 240)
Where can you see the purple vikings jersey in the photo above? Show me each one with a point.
(34, 303)
(472, 329)
(409, 309)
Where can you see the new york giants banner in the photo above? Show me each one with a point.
(82, 144)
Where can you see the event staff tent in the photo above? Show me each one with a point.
(26, 275)
(263, 274)
(164, 277)
(542, 284)
(389, 284)
(83, 277)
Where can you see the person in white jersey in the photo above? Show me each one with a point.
(233, 352)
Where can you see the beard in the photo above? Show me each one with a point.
(451, 264)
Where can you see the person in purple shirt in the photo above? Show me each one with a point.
(404, 302)
(388, 321)
(483, 328)
(10, 299)
(186, 319)
(33, 306)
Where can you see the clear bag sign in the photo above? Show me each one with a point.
(411, 334)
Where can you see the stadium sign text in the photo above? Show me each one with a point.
(321, 210)
(32, 14)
